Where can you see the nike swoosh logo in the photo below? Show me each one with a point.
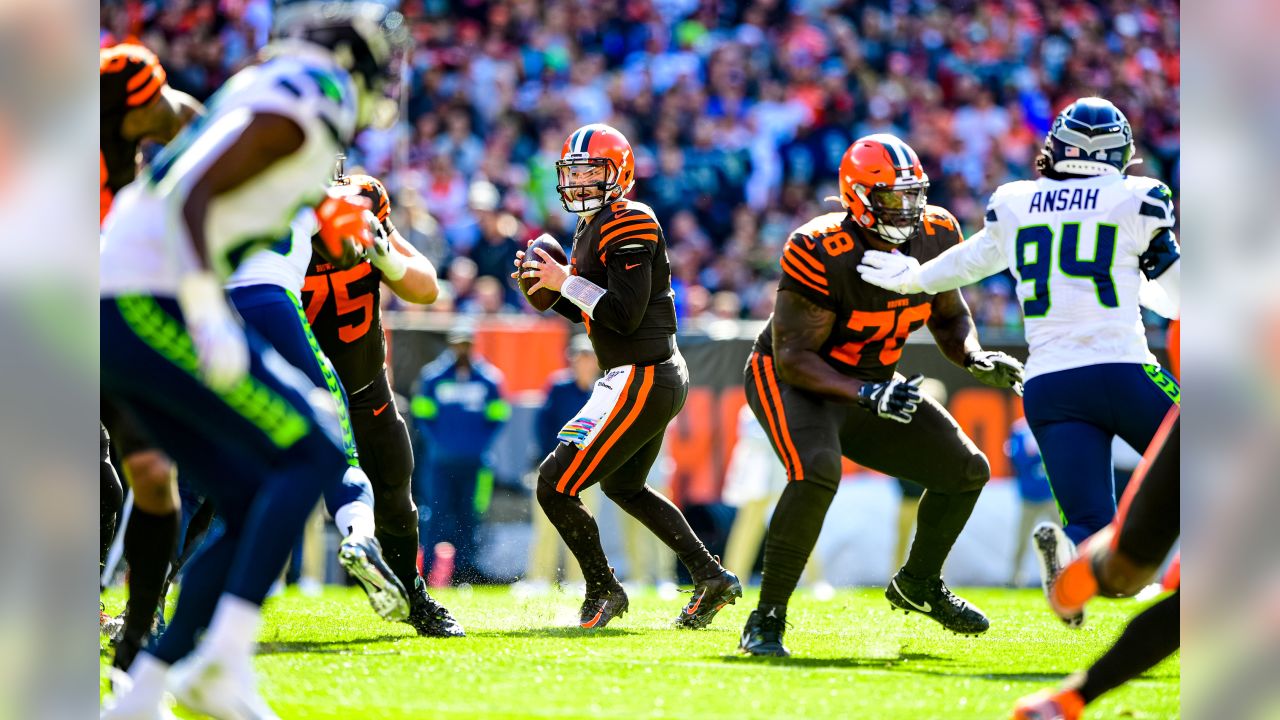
(384, 407)
(925, 608)
(596, 619)
(633, 266)
(694, 607)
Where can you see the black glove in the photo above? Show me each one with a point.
(996, 369)
(892, 399)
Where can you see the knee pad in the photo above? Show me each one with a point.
(976, 473)
(150, 475)
(547, 494)
(823, 468)
(550, 470)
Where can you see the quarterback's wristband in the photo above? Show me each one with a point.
(583, 293)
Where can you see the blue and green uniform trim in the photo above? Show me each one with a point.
(332, 384)
(249, 398)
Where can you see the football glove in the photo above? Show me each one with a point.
(892, 399)
(222, 352)
(996, 369)
(893, 271)
(383, 253)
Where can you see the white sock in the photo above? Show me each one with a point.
(148, 676)
(233, 629)
(354, 518)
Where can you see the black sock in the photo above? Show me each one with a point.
(939, 521)
(401, 554)
(579, 530)
(666, 521)
(1149, 638)
(148, 544)
(110, 500)
(792, 534)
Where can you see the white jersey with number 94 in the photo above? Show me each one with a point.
(1075, 248)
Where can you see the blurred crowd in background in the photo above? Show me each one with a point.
(738, 110)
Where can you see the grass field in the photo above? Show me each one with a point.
(331, 657)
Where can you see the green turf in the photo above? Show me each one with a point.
(330, 657)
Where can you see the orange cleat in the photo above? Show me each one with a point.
(1050, 705)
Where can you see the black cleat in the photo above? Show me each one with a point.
(603, 604)
(428, 617)
(361, 557)
(709, 597)
(762, 635)
(932, 598)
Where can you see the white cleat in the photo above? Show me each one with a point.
(122, 711)
(143, 700)
(222, 688)
(361, 557)
(1055, 551)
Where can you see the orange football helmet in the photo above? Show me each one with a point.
(884, 187)
(368, 187)
(595, 156)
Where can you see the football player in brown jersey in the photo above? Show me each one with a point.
(618, 284)
(822, 382)
(342, 301)
(137, 104)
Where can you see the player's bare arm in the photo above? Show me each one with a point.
(419, 284)
(957, 338)
(952, 326)
(265, 139)
(800, 328)
(162, 119)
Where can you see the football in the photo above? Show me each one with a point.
(544, 298)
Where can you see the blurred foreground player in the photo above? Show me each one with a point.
(618, 283)
(137, 105)
(343, 306)
(822, 381)
(248, 429)
(1118, 562)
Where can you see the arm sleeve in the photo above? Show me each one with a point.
(630, 272)
(980, 256)
(804, 272)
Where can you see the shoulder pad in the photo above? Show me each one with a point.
(630, 226)
(821, 225)
(1155, 196)
(131, 76)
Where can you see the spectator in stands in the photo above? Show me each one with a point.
(457, 409)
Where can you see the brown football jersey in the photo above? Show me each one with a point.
(621, 248)
(130, 77)
(820, 262)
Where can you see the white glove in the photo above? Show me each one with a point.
(383, 254)
(996, 369)
(892, 271)
(221, 347)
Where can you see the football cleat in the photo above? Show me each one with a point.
(1050, 705)
(933, 599)
(361, 557)
(1054, 551)
(762, 635)
(428, 617)
(602, 605)
(709, 597)
(224, 688)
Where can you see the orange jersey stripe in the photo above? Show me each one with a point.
(794, 249)
(782, 417)
(629, 216)
(577, 460)
(819, 276)
(619, 232)
(145, 95)
(771, 425)
(795, 273)
(645, 385)
(141, 77)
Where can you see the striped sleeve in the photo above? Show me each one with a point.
(803, 272)
(628, 231)
(131, 76)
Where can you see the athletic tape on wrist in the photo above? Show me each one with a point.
(583, 293)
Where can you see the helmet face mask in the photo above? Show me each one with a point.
(596, 167)
(578, 174)
(884, 187)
